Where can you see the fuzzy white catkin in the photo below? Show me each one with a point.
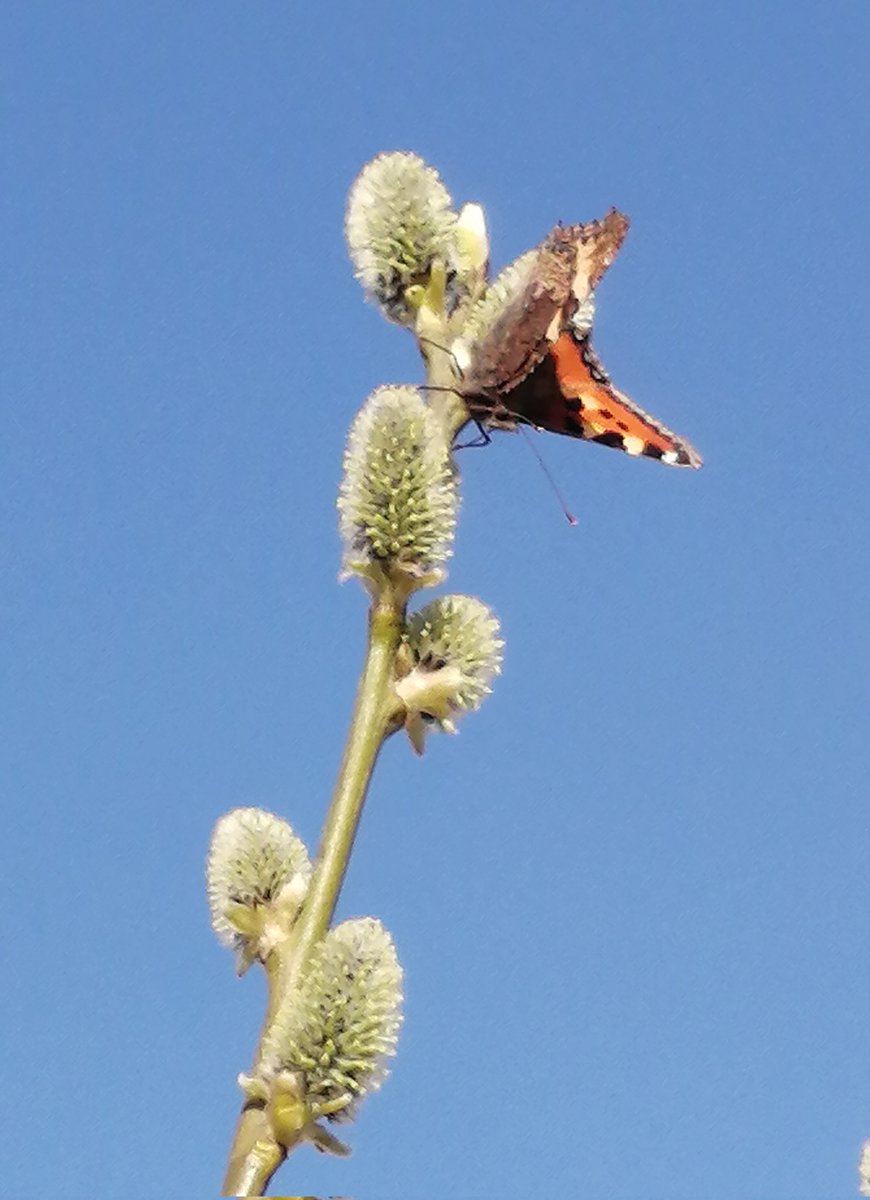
(339, 1026)
(254, 859)
(864, 1170)
(399, 221)
(459, 632)
(456, 653)
(398, 497)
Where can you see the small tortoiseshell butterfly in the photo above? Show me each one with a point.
(536, 365)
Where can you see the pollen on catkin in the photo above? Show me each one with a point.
(398, 497)
(335, 1030)
(399, 222)
(257, 875)
(456, 652)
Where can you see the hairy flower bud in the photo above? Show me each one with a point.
(328, 1044)
(456, 652)
(466, 275)
(864, 1170)
(398, 497)
(257, 875)
(471, 239)
(399, 223)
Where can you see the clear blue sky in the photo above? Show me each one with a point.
(632, 898)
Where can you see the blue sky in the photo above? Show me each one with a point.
(631, 899)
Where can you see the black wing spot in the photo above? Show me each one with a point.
(606, 413)
(621, 425)
(573, 404)
(652, 451)
(609, 439)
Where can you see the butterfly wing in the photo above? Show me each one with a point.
(569, 392)
(535, 363)
(596, 244)
(539, 294)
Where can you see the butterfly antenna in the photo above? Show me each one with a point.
(443, 349)
(569, 516)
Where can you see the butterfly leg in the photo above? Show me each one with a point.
(482, 439)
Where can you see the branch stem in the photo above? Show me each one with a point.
(255, 1155)
(369, 728)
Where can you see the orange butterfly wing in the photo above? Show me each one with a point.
(571, 393)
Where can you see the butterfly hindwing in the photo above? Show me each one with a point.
(570, 393)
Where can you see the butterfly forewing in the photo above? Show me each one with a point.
(585, 404)
(536, 363)
(559, 278)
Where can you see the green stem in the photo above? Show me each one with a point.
(254, 1155)
(369, 727)
(251, 1173)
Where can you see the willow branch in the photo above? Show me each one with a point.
(255, 1155)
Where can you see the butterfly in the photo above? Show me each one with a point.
(534, 363)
